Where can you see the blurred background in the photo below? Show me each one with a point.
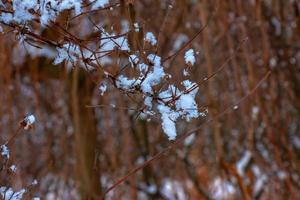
(77, 152)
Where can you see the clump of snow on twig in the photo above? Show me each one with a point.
(4, 151)
(222, 189)
(7, 193)
(150, 38)
(28, 122)
(99, 4)
(102, 88)
(190, 57)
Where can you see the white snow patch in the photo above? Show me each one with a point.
(168, 118)
(150, 38)
(13, 168)
(8, 193)
(102, 88)
(99, 4)
(4, 151)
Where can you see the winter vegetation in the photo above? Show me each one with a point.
(127, 99)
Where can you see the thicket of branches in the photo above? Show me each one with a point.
(149, 99)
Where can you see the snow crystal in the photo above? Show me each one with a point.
(99, 4)
(4, 151)
(189, 57)
(150, 38)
